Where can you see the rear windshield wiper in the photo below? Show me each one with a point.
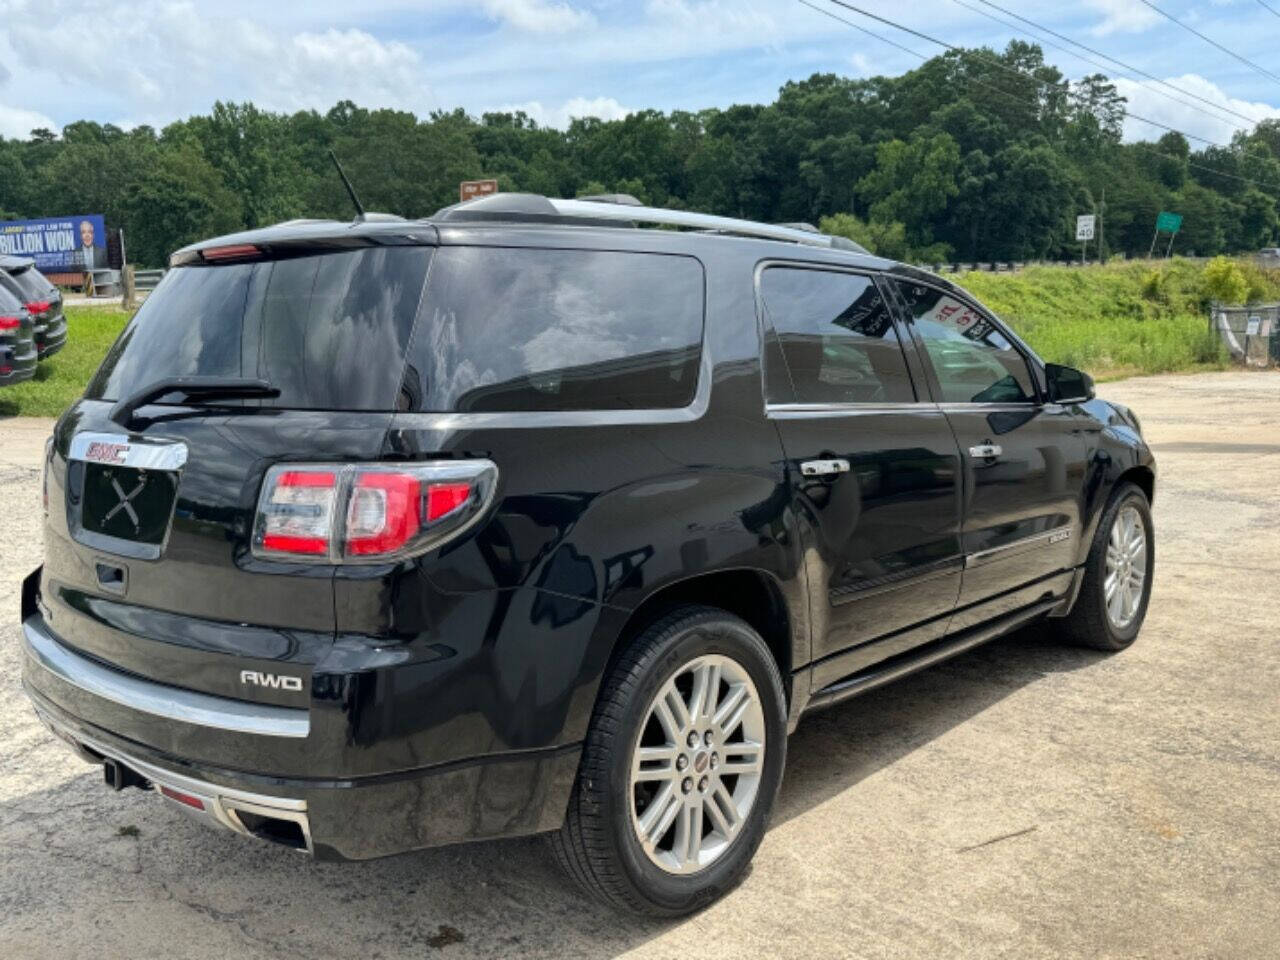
(193, 388)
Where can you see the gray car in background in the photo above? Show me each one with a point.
(19, 277)
(17, 344)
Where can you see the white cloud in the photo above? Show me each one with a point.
(17, 124)
(175, 48)
(1146, 102)
(539, 16)
(1122, 16)
(606, 108)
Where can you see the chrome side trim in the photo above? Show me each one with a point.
(119, 450)
(173, 703)
(796, 411)
(220, 803)
(1056, 535)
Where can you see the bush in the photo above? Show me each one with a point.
(1153, 286)
(1224, 281)
(1114, 320)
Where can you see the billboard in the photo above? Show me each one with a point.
(58, 244)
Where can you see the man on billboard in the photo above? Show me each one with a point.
(93, 255)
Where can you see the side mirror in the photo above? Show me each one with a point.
(1067, 384)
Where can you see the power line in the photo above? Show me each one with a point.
(862, 29)
(1271, 10)
(1019, 73)
(1013, 70)
(1229, 52)
(1142, 73)
(1102, 66)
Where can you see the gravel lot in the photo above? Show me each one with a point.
(1023, 800)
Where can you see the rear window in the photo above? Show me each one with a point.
(329, 330)
(33, 284)
(507, 329)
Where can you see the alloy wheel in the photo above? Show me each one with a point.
(696, 768)
(1126, 568)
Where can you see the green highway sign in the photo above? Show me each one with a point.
(1168, 222)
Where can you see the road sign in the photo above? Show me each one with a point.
(1084, 226)
(1168, 222)
(470, 189)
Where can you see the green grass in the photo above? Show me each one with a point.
(60, 380)
(1116, 320)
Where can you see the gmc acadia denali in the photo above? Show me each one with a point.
(374, 536)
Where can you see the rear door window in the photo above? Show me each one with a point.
(506, 329)
(330, 330)
(836, 337)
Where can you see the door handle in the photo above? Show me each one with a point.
(824, 468)
(986, 451)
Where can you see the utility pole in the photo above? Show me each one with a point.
(1102, 228)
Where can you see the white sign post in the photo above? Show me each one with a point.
(1084, 231)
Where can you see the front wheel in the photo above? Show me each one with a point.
(1117, 579)
(680, 766)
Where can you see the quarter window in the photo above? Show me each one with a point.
(506, 329)
(836, 337)
(974, 362)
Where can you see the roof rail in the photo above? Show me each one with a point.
(622, 199)
(686, 218)
(611, 210)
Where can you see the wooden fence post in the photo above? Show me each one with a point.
(126, 283)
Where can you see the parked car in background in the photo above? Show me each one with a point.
(42, 299)
(1269, 256)
(17, 339)
(382, 535)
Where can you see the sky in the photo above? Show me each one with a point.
(156, 61)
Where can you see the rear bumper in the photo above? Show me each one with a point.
(51, 338)
(20, 359)
(105, 713)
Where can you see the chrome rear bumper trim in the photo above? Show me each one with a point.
(221, 805)
(173, 703)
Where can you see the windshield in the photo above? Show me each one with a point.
(328, 330)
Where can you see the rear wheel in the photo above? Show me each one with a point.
(1117, 581)
(680, 766)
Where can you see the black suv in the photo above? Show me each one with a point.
(18, 354)
(19, 276)
(376, 536)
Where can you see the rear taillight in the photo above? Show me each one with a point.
(10, 323)
(368, 513)
(37, 307)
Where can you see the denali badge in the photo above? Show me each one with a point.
(101, 452)
(1059, 535)
(275, 681)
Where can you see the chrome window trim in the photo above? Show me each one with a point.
(1056, 535)
(161, 700)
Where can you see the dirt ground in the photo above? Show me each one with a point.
(1024, 800)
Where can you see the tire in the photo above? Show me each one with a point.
(599, 844)
(1090, 624)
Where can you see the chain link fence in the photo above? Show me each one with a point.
(1251, 334)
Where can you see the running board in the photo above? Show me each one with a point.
(895, 667)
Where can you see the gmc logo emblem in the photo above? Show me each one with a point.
(273, 681)
(100, 452)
